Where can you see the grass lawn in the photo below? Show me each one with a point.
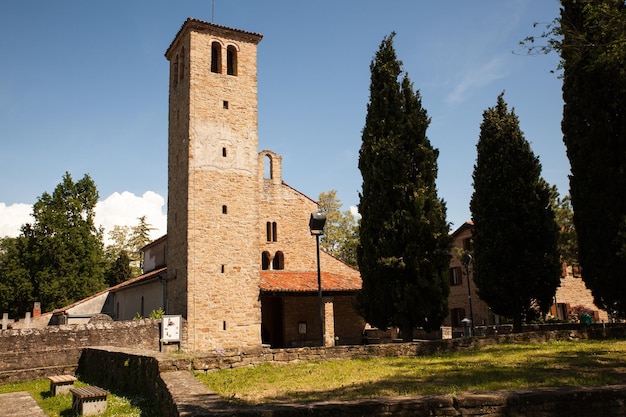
(495, 367)
(61, 405)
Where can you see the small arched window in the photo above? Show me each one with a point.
(265, 261)
(231, 60)
(216, 57)
(271, 230)
(175, 70)
(181, 70)
(279, 261)
(267, 167)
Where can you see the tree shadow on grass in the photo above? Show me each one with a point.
(583, 367)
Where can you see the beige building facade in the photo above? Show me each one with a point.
(571, 296)
(463, 290)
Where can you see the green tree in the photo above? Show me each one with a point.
(564, 216)
(404, 249)
(16, 289)
(516, 261)
(341, 231)
(119, 271)
(119, 237)
(63, 251)
(593, 53)
(590, 36)
(139, 237)
(129, 239)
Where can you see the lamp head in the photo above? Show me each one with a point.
(317, 222)
(466, 260)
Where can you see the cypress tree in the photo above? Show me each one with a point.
(404, 248)
(119, 271)
(593, 51)
(516, 260)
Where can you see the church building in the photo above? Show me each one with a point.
(241, 261)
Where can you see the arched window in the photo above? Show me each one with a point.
(175, 70)
(265, 261)
(181, 70)
(272, 231)
(216, 57)
(267, 167)
(231, 60)
(279, 261)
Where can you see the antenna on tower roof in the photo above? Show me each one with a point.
(212, 11)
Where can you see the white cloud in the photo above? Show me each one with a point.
(124, 209)
(13, 217)
(355, 212)
(474, 78)
(117, 209)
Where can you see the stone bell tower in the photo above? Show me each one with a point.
(213, 193)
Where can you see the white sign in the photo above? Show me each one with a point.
(170, 329)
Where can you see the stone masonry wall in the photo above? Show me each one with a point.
(213, 216)
(574, 292)
(27, 354)
(291, 211)
(178, 393)
(167, 381)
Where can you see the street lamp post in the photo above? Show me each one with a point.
(466, 260)
(316, 225)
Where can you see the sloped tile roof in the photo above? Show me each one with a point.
(467, 224)
(283, 281)
(140, 279)
(145, 277)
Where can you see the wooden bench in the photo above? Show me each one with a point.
(61, 384)
(88, 401)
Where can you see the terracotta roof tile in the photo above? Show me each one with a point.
(283, 281)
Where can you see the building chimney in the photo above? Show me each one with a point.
(37, 309)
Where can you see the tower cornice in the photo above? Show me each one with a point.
(201, 26)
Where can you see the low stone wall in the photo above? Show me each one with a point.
(237, 358)
(27, 354)
(132, 364)
(127, 372)
(179, 393)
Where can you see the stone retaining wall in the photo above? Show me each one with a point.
(237, 358)
(132, 364)
(27, 354)
(179, 393)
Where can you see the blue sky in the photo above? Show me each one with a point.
(84, 85)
